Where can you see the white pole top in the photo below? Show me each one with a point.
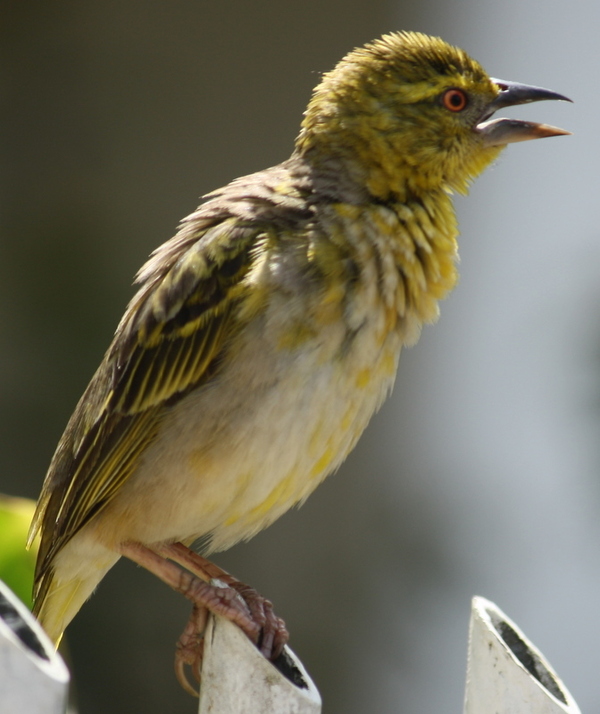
(505, 672)
(237, 678)
(33, 677)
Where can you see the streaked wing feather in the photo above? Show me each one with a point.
(167, 344)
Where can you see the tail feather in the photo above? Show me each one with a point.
(70, 581)
(60, 605)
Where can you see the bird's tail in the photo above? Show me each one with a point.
(60, 605)
(65, 588)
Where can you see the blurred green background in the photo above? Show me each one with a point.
(16, 564)
(481, 473)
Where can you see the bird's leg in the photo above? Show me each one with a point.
(274, 634)
(216, 597)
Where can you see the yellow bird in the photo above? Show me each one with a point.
(267, 331)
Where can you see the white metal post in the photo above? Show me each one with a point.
(237, 679)
(33, 677)
(505, 671)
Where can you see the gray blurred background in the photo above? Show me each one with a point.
(480, 476)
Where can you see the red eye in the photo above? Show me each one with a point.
(455, 100)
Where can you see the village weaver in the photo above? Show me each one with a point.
(267, 331)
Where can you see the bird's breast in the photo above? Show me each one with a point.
(296, 389)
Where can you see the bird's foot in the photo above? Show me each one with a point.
(273, 635)
(273, 632)
(256, 619)
(210, 589)
(189, 651)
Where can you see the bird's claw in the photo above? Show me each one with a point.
(273, 634)
(189, 651)
(240, 604)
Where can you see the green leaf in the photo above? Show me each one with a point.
(17, 564)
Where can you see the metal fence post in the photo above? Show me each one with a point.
(506, 672)
(33, 677)
(237, 679)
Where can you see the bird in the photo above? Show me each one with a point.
(267, 331)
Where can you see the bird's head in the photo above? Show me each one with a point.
(409, 112)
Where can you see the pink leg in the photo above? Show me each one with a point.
(219, 599)
(210, 589)
(274, 635)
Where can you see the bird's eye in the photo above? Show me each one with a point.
(455, 100)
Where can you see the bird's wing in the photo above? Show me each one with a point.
(168, 343)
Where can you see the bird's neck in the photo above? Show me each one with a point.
(377, 164)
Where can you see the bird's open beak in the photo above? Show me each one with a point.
(497, 132)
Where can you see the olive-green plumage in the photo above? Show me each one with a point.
(266, 333)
